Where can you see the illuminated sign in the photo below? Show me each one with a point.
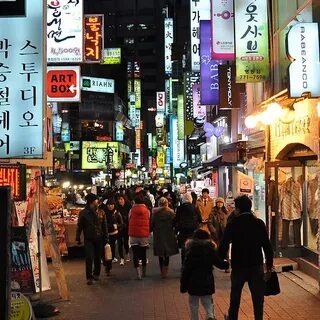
(161, 101)
(190, 79)
(93, 42)
(14, 176)
(22, 83)
(136, 91)
(303, 50)
(99, 155)
(222, 19)
(64, 31)
(178, 146)
(138, 138)
(199, 110)
(199, 10)
(112, 56)
(252, 41)
(119, 131)
(161, 157)
(97, 84)
(65, 132)
(168, 40)
(63, 84)
(180, 116)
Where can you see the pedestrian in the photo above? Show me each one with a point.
(248, 236)
(95, 234)
(197, 273)
(115, 226)
(186, 221)
(164, 239)
(139, 232)
(205, 205)
(123, 207)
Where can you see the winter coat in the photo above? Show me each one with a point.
(124, 211)
(139, 221)
(114, 222)
(186, 221)
(164, 240)
(196, 274)
(205, 211)
(217, 223)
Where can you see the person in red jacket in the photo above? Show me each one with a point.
(139, 232)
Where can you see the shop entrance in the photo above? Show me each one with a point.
(293, 202)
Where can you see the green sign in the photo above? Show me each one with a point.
(252, 41)
(180, 116)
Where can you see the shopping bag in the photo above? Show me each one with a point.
(272, 285)
(107, 252)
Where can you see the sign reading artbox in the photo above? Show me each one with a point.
(199, 10)
(209, 79)
(97, 155)
(22, 83)
(252, 41)
(222, 19)
(97, 84)
(168, 40)
(65, 31)
(112, 56)
(93, 37)
(304, 70)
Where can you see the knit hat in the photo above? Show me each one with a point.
(220, 200)
(90, 197)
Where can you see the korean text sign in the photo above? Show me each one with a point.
(93, 43)
(112, 56)
(209, 78)
(168, 40)
(14, 175)
(65, 31)
(190, 79)
(199, 10)
(252, 41)
(22, 79)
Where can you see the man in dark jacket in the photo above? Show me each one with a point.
(196, 275)
(249, 237)
(95, 234)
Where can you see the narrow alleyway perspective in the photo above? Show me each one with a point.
(122, 297)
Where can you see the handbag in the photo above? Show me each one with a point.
(107, 252)
(272, 287)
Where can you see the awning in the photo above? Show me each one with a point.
(213, 162)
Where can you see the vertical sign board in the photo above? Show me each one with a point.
(180, 117)
(177, 145)
(199, 110)
(167, 95)
(65, 31)
(303, 50)
(168, 40)
(199, 10)
(252, 41)
(5, 252)
(161, 102)
(209, 78)
(93, 42)
(222, 20)
(190, 79)
(22, 83)
(14, 175)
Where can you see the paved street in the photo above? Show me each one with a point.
(123, 297)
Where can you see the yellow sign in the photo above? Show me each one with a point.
(161, 156)
(20, 307)
(112, 56)
(137, 91)
(100, 155)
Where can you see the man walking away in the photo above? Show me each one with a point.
(249, 237)
(93, 237)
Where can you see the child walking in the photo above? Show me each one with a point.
(197, 273)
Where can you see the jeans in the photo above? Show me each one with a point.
(254, 277)
(112, 240)
(139, 253)
(93, 251)
(207, 303)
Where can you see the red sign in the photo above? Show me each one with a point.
(104, 138)
(93, 38)
(14, 176)
(63, 84)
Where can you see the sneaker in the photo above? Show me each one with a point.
(114, 260)
(128, 258)
(89, 282)
(121, 262)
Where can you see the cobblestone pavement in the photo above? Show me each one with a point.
(121, 297)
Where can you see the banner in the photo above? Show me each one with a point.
(222, 19)
(199, 10)
(199, 110)
(64, 31)
(168, 40)
(209, 79)
(180, 117)
(178, 146)
(190, 79)
(252, 41)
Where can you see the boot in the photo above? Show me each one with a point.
(139, 274)
(164, 273)
(144, 270)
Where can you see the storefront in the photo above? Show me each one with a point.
(293, 183)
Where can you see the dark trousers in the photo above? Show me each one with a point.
(163, 261)
(254, 277)
(139, 253)
(93, 257)
(125, 238)
(296, 232)
(112, 240)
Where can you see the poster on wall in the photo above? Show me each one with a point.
(64, 31)
(252, 41)
(22, 83)
(222, 22)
